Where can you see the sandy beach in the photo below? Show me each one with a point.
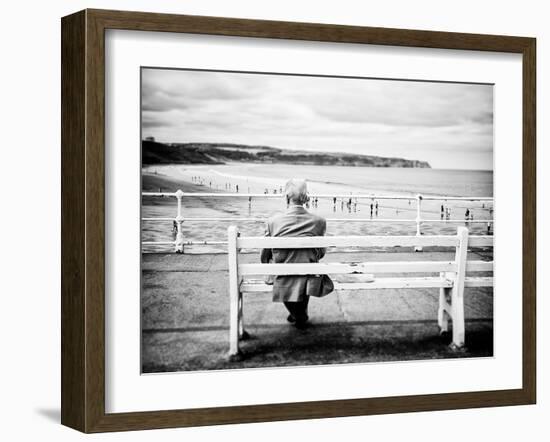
(262, 177)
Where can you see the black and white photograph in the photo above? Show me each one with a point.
(303, 220)
(258, 222)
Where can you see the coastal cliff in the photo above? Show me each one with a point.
(221, 153)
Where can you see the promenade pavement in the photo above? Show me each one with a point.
(185, 319)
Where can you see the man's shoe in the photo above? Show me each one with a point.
(292, 319)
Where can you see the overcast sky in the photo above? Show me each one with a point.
(448, 125)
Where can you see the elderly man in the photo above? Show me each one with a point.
(294, 290)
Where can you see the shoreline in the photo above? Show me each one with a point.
(257, 178)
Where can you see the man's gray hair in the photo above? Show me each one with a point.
(296, 191)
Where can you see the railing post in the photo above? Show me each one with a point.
(457, 293)
(418, 219)
(234, 293)
(179, 224)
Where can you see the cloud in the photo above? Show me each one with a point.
(399, 103)
(422, 120)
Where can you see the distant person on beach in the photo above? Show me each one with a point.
(294, 290)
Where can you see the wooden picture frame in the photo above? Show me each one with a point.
(83, 220)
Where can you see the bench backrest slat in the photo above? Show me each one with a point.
(360, 241)
(335, 268)
(364, 267)
(345, 241)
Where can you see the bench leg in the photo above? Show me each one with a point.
(234, 292)
(234, 325)
(442, 314)
(241, 327)
(243, 334)
(457, 308)
(457, 293)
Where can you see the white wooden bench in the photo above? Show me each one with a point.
(450, 276)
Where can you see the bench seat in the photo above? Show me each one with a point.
(258, 285)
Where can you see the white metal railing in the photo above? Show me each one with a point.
(179, 219)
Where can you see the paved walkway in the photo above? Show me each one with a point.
(185, 319)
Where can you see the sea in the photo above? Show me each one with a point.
(346, 216)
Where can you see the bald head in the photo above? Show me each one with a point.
(296, 191)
